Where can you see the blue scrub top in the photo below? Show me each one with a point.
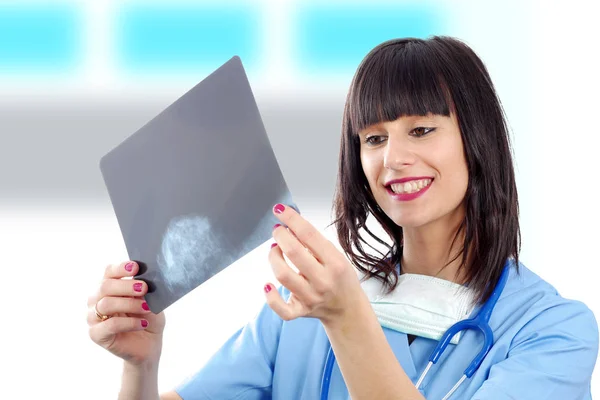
(545, 348)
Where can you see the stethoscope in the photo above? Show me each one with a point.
(479, 322)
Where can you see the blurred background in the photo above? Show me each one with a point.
(78, 77)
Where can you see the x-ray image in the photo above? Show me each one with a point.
(193, 189)
(187, 253)
(194, 249)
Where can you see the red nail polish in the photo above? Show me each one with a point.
(129, 266)
(279, 208)
(267, 288)
(144, 323)
(276, 226)
(145, 306)
(137, 287)
(273, 245)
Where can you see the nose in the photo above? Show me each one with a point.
(397, 153)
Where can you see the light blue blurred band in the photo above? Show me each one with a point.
(40, 37)
(181, 37)
(337, 37)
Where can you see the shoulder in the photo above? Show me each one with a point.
(545, 345)
(539, 311)
(526, 288)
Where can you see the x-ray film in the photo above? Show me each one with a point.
(193, 189)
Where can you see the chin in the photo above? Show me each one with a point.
(408, 221)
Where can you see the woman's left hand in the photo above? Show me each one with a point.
(326, 286)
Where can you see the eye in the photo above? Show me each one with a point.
(421, 131)
(369, 141)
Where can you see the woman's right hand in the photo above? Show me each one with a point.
(132, 332)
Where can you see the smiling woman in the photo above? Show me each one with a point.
(425, 150)
(441, 119)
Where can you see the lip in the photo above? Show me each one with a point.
(408, 196)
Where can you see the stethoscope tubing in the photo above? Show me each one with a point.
(479, 322)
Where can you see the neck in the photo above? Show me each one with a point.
(428, 250)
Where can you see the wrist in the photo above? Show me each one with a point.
(143, 361)
(140, 369)
(139, 381)
(356, 308)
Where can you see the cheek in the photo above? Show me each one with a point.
(457, 172)
(450, 162)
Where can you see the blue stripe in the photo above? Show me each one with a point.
(338, 38)
(40, 37)
(166, 37)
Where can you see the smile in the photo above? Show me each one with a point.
(410, 187)
(409, 190)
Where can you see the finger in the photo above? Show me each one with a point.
(286, 311)
(122, 270)
(115, 305)
(297, 253)
(295, 283)
(122, 287)
(306, 233)
(114, 271)
(104, 333)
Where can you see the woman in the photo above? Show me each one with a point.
(425, 150)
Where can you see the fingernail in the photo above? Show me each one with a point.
(273, 245)
(129, 266)
(267, 288)
(145, 306)
(137, 287)
(276, 226)
(279, 208)
(144, 323)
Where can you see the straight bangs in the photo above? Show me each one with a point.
(391, 83)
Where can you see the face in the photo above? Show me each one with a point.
(424, 156)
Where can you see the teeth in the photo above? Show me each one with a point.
(410, 187)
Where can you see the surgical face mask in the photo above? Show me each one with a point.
(420, 305)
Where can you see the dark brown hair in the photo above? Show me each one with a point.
(439, 75)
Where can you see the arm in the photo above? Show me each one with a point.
(328, 288)
(140, 382)
(369, 367)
